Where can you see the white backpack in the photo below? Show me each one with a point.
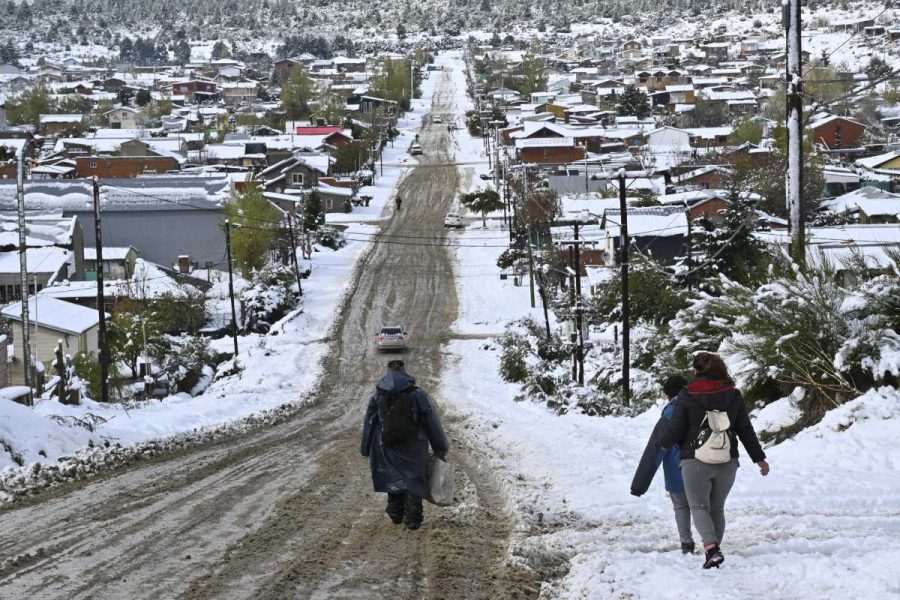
(713, 443)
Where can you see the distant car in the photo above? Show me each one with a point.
(391, 338)
(486, 176)
(453, 220)
(437, 119)
(415, 149)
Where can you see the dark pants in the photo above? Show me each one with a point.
(404, 508)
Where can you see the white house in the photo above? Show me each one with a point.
(53, 320)
(668, 139)
(123, 117)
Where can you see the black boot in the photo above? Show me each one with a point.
(395, 507)
(714, 558)
(687, 547)
(412, 511)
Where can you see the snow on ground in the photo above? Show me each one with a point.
(396, 161)
(823, 524)
(279, 368)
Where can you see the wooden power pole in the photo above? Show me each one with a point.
(23, 261)
(624, 244)
(794, 89)
(101, 301)
(231, 289)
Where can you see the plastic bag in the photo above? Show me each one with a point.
(440, 482)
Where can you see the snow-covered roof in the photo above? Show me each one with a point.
(156, 192)
(828, 119)
(873, 162)
(50, 230)
(48, 260)
(54, 314)
(109, 252)
(60, 118)
(563, 142)
(650, 221)
(870, 200)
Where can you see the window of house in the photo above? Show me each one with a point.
(297, 178)
(93, 164)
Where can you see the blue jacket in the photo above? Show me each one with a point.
(402, 469)
(654, 455)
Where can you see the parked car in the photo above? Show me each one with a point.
(391, 338)
(415, 149)
(486, 176)
(453, 220)
(437, 119)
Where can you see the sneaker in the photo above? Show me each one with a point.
(687, 547)
(397, 520)
(413, 526)
(714, 558)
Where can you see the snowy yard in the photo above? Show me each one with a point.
(823, 524)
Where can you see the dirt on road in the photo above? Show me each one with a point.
(288, 512)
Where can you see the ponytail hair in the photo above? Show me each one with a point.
(711, 366)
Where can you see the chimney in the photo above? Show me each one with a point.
(184, 264)
(566, 116)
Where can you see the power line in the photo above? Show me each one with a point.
(846, 41)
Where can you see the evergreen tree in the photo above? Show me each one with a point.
(143, 97)
(313, 213)
(729, 248)
(182, 51)
(634, 103)
(878, 69)
(220, 50)
(483, 202)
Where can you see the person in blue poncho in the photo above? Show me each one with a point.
(654, 455)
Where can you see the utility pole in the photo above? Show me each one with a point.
(530, 265)
(573, 337)
(579, 355)
(290, 220)
(794, 89)
(542, 293)
(690, 259)
(23, 261)
(624, 244)
(101, 301)
(231, 289)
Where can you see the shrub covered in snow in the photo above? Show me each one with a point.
(184, 360)
(270, 297)
(330, 237)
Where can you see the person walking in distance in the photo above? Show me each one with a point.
(709, 415)
(401, 422)
(670, 459)
(397, 202)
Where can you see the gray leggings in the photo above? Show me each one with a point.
(707, 488)
(682, 516)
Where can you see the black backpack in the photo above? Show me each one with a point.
(398, 418)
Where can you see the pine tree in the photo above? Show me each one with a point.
(729, 248)
(634, 103)
(313, 214)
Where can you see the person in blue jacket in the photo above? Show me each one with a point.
(654, 455)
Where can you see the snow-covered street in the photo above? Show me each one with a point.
(255, 488)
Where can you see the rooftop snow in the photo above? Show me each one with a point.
(55, 314)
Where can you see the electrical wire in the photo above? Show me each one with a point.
(846, 41)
